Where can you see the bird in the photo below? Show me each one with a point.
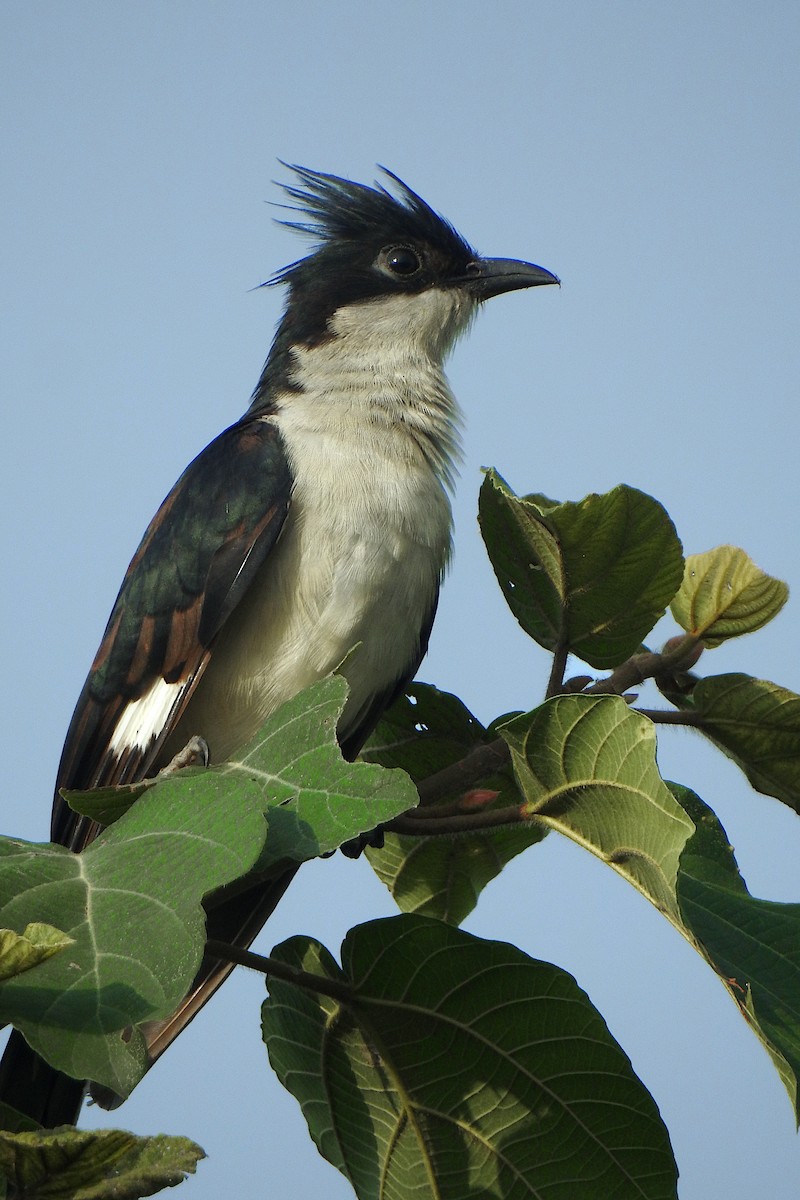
(313, 532)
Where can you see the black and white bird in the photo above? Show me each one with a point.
(316, 529)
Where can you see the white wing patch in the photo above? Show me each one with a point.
(143, 720)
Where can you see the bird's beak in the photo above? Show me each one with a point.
(487, 277)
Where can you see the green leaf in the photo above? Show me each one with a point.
(21, 951)
(725, 595)
(314, 799)
(132, 899)
(754, 945)
(757, 724)
(107, 804)
(592, 577)
(424, 732)
(105, 1164)
(587, 767)
(131, 903)
(461, 1069)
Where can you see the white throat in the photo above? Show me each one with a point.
(381, 370)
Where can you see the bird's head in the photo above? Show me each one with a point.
(375, 245)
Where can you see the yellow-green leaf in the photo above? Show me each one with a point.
(21, 951)
(724, 595)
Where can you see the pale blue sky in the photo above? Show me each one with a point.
(646, 153)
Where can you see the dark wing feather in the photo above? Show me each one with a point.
(193, 566)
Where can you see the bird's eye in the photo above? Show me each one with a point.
(401, 261)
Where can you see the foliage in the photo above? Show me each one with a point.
(429, 1062)
(108, 1164)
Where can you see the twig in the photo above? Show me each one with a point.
(460, 776)
(556, 680)
(668, 716)
(682, 654)
(487, 759)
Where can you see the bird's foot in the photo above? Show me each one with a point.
(193, 754)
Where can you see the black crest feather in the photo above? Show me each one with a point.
(340, 211)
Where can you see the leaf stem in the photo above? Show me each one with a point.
(274, 969)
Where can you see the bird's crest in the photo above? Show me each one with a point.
(339, 210)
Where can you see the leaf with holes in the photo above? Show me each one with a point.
(424, 732)
(591, 578)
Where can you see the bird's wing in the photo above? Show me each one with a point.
(195, 562)
(237, 920)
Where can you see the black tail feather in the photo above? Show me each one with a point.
(30, 1086)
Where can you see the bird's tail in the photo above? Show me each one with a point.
(31, 1087)
(236, 920)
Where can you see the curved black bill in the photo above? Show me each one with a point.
(489, 277)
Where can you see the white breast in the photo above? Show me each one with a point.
(371, 442)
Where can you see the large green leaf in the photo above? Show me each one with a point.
(104, 1164)
(587, 767)
(754, 945)
(131, 903)
(313, 800)
(424, 732)
(757, 724)
(132, 899)
(460, 1069)
(724, 595)
(593, 577)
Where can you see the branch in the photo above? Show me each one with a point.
(273, 969)
(460, 776)
(668, 716)
(494, 756)
(471, 822)
(679, 654)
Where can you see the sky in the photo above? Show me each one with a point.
(647, 154)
